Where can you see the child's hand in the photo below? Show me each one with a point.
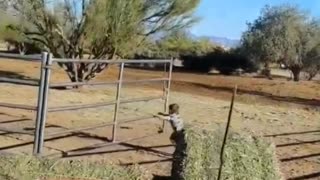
(161, 113)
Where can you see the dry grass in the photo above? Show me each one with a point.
(29, 168)
(246, 157)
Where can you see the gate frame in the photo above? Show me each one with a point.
(44, 88)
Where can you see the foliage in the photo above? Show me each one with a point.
(7, 34)
(226, 62)
(102, 29)
(176, 44)
(30, 168)
(282, 34)
(180, 44)
(245, 157)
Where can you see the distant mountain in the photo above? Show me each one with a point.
(222, 41)
(225, 42)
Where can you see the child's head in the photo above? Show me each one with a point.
(173, 109)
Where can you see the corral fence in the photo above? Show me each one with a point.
(44, 86)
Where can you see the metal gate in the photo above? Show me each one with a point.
(44, 87)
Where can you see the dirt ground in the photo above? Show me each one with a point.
(285, 112)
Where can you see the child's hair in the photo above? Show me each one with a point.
(173, 109)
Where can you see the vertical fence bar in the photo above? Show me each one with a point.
(43, 118)
(118, 98)
(226, 132)
(167, 93)
(164, 83)
(40, 102)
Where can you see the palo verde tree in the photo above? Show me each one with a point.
(97, 29)
(282, 34)
(175, 45)
(181, 44)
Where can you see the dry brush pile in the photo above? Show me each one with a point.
(30, 168)
(245, 157)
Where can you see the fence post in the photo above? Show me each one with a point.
(167, 91)
(118, 98)
(42, 103)
(226, 132)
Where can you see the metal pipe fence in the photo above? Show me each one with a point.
(44, 86)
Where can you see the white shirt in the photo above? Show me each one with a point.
(176, 122)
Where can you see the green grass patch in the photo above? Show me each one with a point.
(246, 157)
(29, 168)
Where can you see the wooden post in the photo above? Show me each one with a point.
(118, 99)
(226, 132)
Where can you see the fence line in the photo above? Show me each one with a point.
(37, 57)
(18, 106)
(126, 61)
(18, 81)
(56, 85)
(96, 105)
(44, 87)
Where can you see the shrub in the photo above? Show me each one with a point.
(225, 62)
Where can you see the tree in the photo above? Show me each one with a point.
(181, 44)
(12, 38)
(282, 34)
(102, 29)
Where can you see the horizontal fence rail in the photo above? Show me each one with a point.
(96, 105)
(37, 57)
(126, 61)
(18, 106)
(140, 81)
(18, 81)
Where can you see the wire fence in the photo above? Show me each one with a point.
(44, 86)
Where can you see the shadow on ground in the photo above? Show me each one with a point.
(289, 99)
(294, 159)
(155, 177)
(17, 78)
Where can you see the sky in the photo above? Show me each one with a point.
(227, 18)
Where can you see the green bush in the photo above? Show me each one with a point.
(29, 168)
(246, 157)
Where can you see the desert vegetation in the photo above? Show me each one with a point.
(270, 114)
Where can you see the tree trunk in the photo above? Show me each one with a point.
(311, 76)
(22, 48)
(8, 46)
(267, 71)
(296, 70)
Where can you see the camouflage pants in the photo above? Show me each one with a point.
(179, 155)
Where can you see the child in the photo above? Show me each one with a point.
(178, 138)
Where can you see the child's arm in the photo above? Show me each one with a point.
(162, 116)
